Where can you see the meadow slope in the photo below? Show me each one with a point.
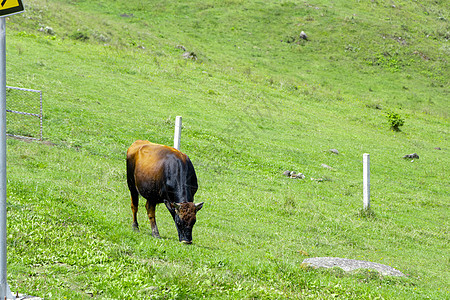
(256, 101)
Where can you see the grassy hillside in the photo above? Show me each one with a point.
(256, 101)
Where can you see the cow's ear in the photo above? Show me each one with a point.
(169, 206)
(177, 207)
(198, 206)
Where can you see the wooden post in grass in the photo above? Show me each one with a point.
(366, 180)
(176, 139)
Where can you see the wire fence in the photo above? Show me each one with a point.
(24, 113)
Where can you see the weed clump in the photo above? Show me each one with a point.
(80, 35)
(368, 214)
(395, 120)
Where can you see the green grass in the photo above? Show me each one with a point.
(253, 106)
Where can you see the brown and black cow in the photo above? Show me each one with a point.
(163, 174)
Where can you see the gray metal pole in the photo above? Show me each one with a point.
(4, 288)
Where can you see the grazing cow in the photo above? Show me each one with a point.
(163, 174)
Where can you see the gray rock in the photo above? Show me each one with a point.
(126, 15)
(411, 156)
(190, 55)
(350, 265)
(327, 166)
(48, 30)
(300, 176)
(181, 47)
(293, 174)
(303, 36)
(335, 151)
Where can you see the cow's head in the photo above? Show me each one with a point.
(184, 216)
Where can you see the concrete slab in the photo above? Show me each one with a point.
(350, 265)
(25, 297)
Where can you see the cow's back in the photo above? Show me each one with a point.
(161, 172)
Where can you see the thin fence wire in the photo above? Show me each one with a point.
(24, 108)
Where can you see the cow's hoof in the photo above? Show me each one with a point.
(186, 242)
(135, 228)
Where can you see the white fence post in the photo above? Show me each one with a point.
(176, 139)
(366, 179)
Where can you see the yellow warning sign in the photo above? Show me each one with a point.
(9, 7)
(9, 3)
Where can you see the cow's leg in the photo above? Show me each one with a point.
(134, 209)
(152, 219)
(134, 193)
